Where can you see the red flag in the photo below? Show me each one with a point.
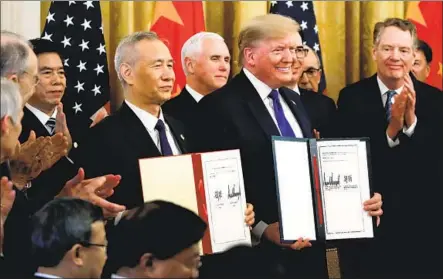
(427, 17)
(175, 22)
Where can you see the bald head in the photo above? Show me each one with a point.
(18, 62)
(311, 76)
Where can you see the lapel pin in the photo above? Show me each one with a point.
(293, 102)
(183, 138)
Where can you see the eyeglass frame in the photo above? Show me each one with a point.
(317, 70)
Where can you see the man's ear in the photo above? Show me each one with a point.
(428, 70)
(5, 124)
(147, 263)
(13, 77)
(75, 254)
(127, 73)
(189, 65)
(249, 56)
(374, 49)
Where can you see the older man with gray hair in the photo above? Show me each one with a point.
(206, 63)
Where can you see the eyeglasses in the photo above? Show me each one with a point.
(301, 52)
(36, 80)
(311, 72)
(87, 244)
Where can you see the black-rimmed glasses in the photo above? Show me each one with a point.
(311, 72)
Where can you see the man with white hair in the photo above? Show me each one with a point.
(205, 59)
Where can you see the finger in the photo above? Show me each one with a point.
(378, 212)
(372, 207)
(378, 221)
(32, 136)
(112, 207)
(376, 198)
(111, 181)
(76, 179)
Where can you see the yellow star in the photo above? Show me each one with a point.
(440, 71)
(167, 10)
(414, 13)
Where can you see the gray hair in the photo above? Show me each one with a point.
(14, 53)
(126, 53)
(11, 100)
(315, 53)
(193, 46)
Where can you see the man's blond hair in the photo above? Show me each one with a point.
(269, 26)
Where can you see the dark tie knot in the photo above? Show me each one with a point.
(51, 122)
(274, 94)
(160, 126)
(391, 93)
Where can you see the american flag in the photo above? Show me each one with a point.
(304, 14)
(77, 27)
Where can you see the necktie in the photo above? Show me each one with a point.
(51, 125)
(164, 144)
(283, 124)
(390, 94)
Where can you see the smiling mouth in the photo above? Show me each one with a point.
(284, 69)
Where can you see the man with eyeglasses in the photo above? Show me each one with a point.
(69, 240)
(403, 119)
(306, 75)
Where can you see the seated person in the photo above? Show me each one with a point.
(156, 240)
(69, 239)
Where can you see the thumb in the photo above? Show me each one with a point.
(76, 179)
(32, 136)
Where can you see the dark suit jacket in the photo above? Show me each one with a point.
(183, 108)
(321, 111)
(115, 145)
(405, 174)
(234, 117)
(49, 183)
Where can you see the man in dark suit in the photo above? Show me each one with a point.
(422, 62)
(69, 239)
(320, 108)
(205, 59)
(139, 129)
(402, 118)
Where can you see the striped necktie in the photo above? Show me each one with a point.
(50, 124)
(388, 106)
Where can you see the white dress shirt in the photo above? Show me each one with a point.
(197, 96)
(41, 116)
(407, 131)
(149, 121)
(44, 275)
(264, 90)
(296, 89)
(116, 276)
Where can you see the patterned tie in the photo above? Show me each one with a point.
(283, 124)
(51, 125)
(388, 106)
(164, 144)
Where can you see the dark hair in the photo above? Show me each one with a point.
(161, 228)
(59, 225)
(426, 49)
(41, 46)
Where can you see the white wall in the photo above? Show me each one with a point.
(22, 17)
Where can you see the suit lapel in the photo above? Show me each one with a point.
(372, 99)
(31, 122)
(295, 104)
(177, 133)
(136, 133)
(255, 105)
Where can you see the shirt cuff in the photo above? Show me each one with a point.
(258, 230)
(118, 217)
(392, 143)
(410, 131)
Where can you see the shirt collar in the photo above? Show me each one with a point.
(197, 96)
(384, 88)
(116, 276)
(44, 275)
(148, 120)
(296, 89)
(262, 88)
(42, 117)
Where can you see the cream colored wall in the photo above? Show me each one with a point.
(22, 17)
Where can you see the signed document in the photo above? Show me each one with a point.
(210, 184)
(345, 187)
(321, 187)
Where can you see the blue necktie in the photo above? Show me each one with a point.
(283, 124)
(388, 106)
(164, 144)
(51, 125)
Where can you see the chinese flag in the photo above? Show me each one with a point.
(427, 17)
(175, 22)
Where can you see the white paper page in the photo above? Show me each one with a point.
(345, 186)
(225, 199)
(295, 190)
